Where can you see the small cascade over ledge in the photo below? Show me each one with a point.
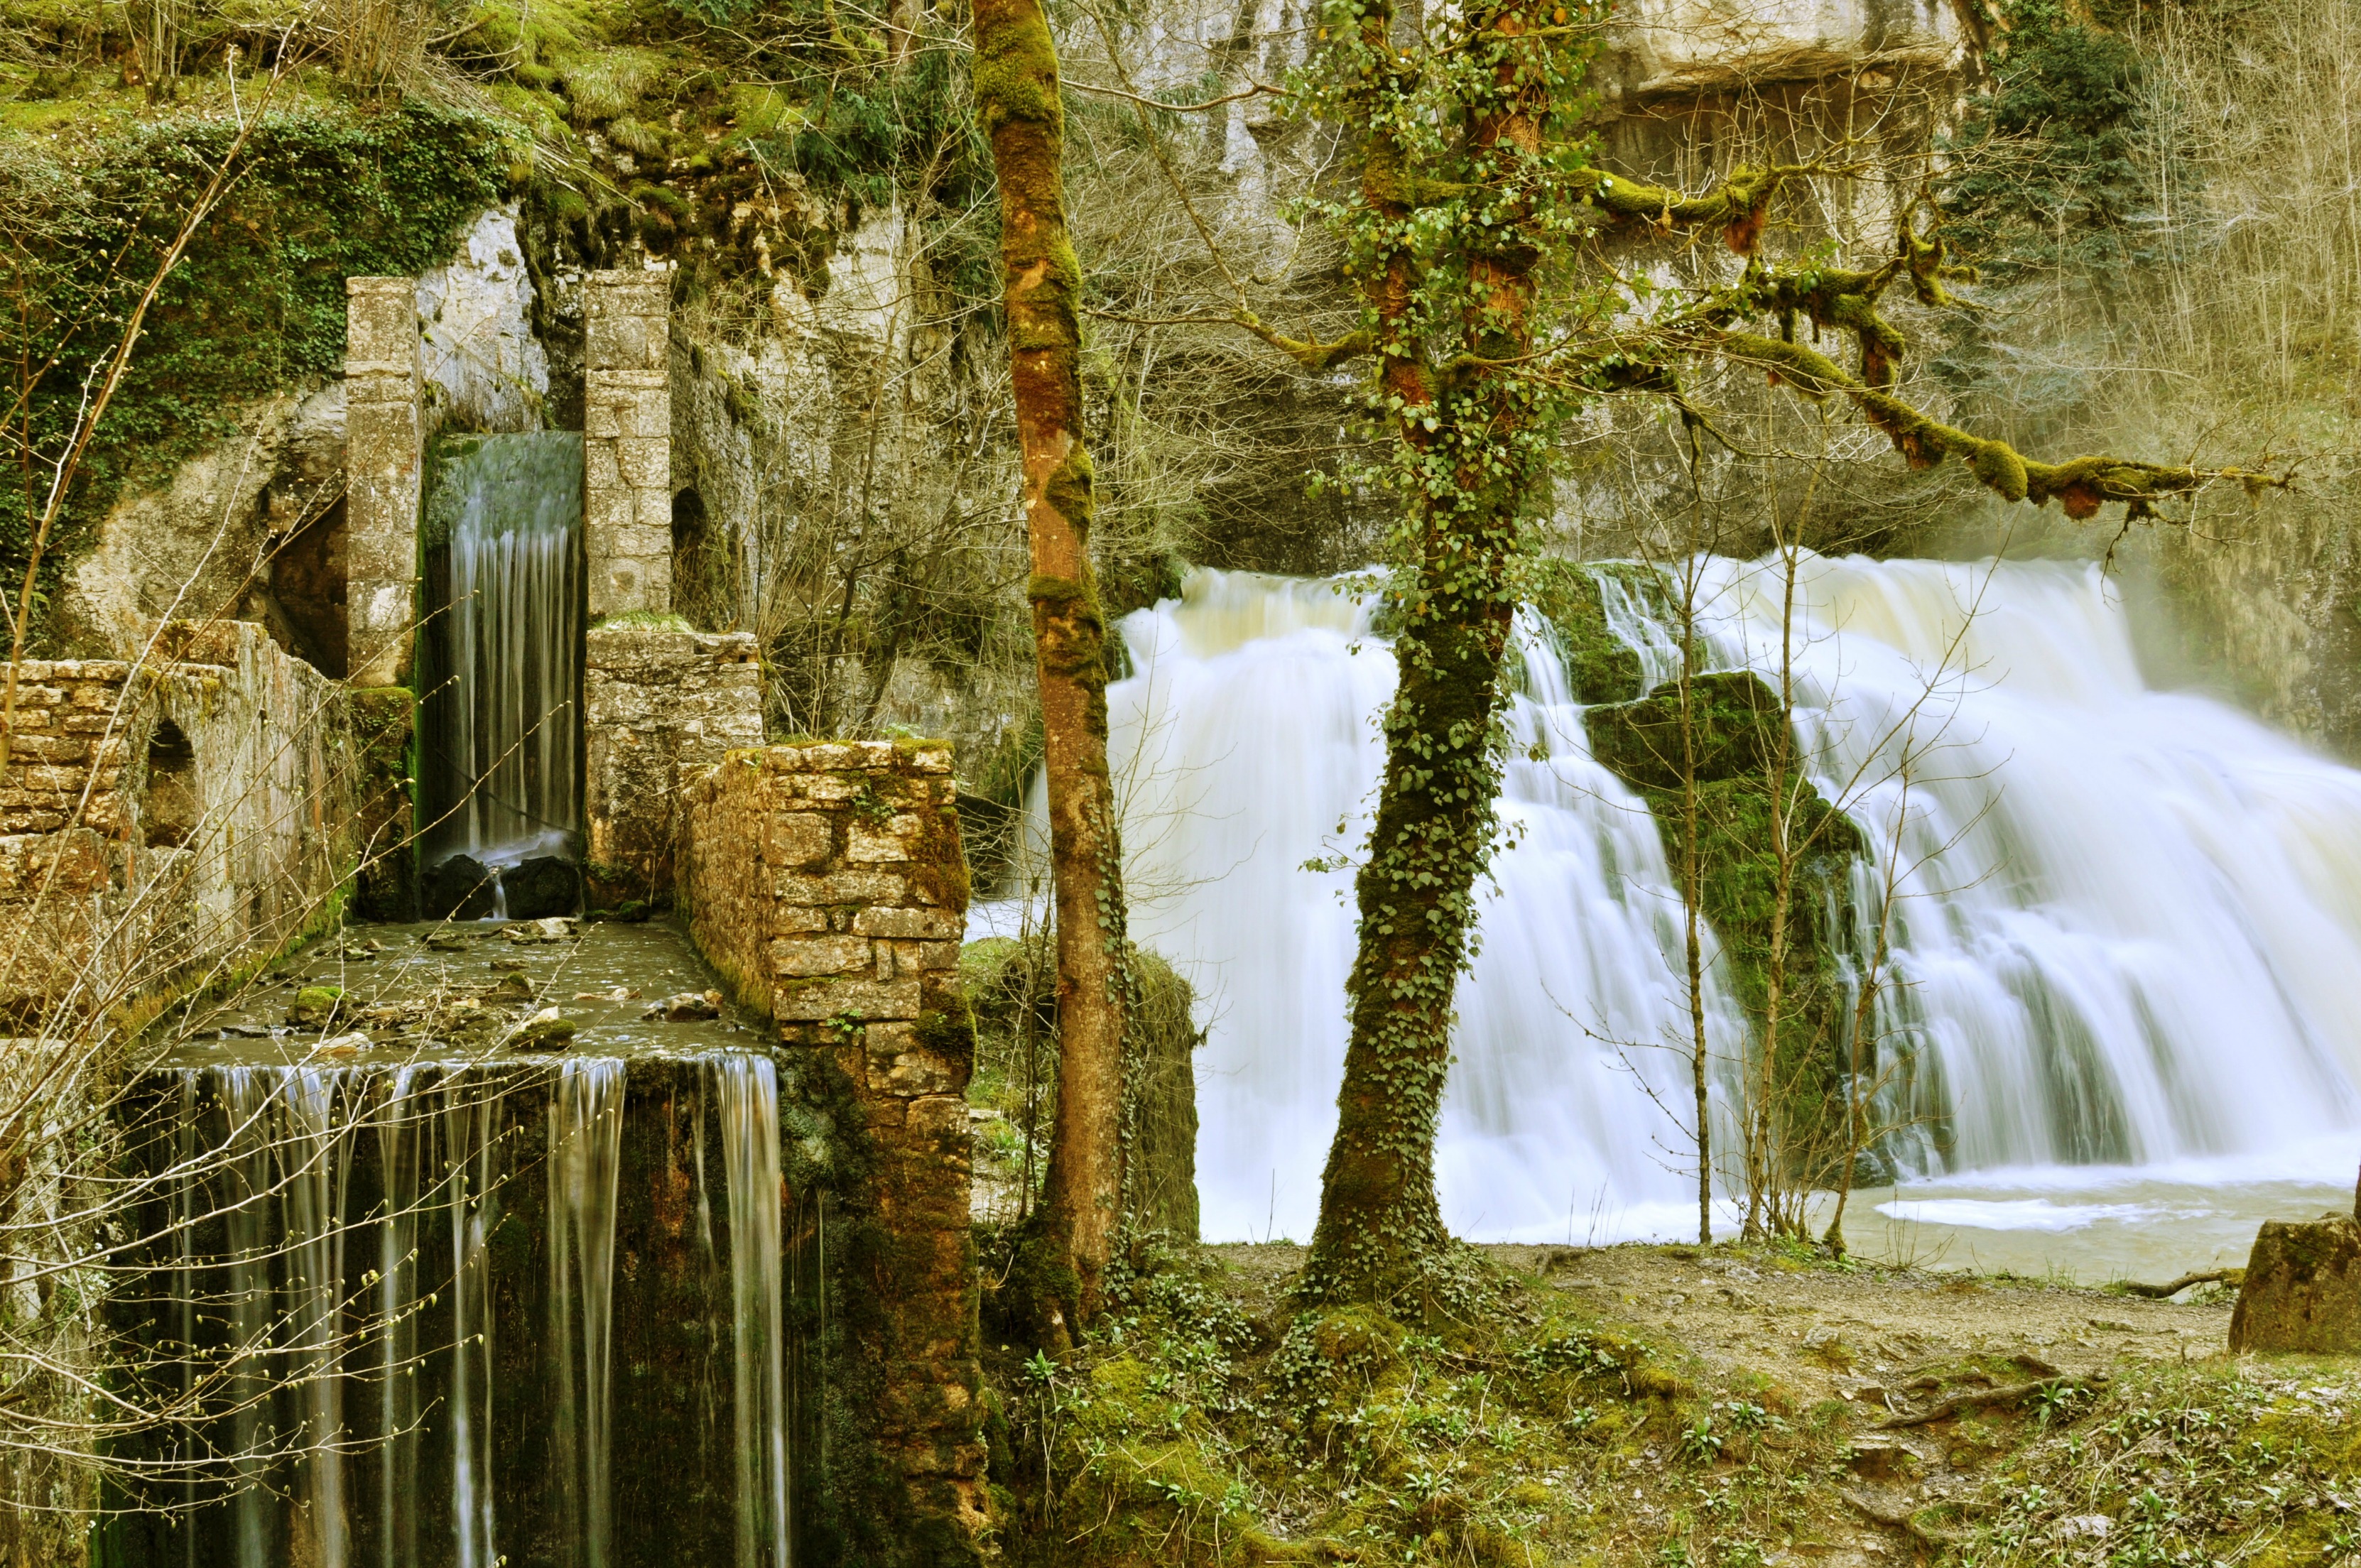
(501, 674)
(2123, 920)
(398, 1287)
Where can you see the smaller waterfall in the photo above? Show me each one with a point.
(748, 1099)
(586, 1144)
(472, 1145)
(357, 1271)
(500, 655)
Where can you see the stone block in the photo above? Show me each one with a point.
(798, 957)
(798, 838)
(838, 887)
(2302, 1290)
(826, 999)
(600, 467)
(889, 840)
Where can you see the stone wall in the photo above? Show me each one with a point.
(627, 441)
(161, 822)
(825, 882)
(656, 701)
(384, 465)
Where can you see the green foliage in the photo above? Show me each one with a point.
(2044, 173)
(257, 303)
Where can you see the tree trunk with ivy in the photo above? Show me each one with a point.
(1472, 463)
(1017, 105)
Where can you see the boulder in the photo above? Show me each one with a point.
(686, 1007)
(459, 888)
(2302, 1290)
(315, 1005)
(541, 886)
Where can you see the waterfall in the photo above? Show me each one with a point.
(500, 659)
(2125, 920)
(586, 1142)
(399, 1161)
(471, 1144)
(748, 1099)
(357, 1273)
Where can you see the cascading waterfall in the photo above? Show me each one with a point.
(2125, 920)
(343, 1269)
(747, 1096)
(2124, 926)
(586, 1144)
(501, 654)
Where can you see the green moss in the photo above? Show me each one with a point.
(1734, 725)
(1600, 667)
(259, 303)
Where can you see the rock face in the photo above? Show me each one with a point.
(459, 888)
(2302, 1290)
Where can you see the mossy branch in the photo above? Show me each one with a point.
(1310, 352)
(2081, 485)
(1738, 203)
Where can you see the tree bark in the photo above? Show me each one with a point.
(1380, 1229)
(1018, 109)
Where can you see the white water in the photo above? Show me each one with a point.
(586, 1148)
(2126, 925)
(317, 1299)
(748, 1099)
(501, 726)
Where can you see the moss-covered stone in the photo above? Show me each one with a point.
(2302, 1288)
(1734, 724)
(1600, 666)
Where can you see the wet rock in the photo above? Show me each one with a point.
(2302, 1290)
(314, 1004)
(342, 1044)
(445, 941)
(545, 1031)
(556, 928)
(686, 1007)
(460, 888)
(504, 966)
(245, 1031)
(513, 987)
(468, 1021)
(541, 886)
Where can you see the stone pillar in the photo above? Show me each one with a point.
(627, 441)
(383, 466)
(655, 701)
(825, 882)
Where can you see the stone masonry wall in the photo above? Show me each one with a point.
(656, 701)
(384, 465)
(158, 822)
(627, 441)
(825, 882)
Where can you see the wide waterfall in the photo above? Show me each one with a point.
(500, 652)
(451, 1315)
(2125, 921)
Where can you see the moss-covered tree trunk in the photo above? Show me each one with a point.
(1017, 105)
(1380, 1228)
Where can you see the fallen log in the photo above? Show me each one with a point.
(2175, 1287)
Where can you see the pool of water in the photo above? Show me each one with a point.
(408, 988)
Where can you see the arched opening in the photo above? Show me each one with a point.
(701, 578)
(169, 808)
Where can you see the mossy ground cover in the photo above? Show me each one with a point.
(1666, 1405)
